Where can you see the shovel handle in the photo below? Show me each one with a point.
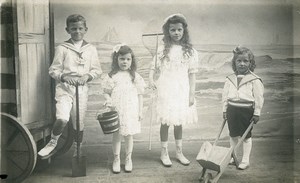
(153, 34)
(220, 132)
(77, 121)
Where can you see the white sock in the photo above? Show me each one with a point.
(56, 137)
(116, 144)
(129, 145)
(247, 146)
(164, 144)
(178, 142)
(178, 146)
(233, 141)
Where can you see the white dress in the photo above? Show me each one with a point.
(173, 87)
(124, 95)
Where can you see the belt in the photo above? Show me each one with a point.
(245, 104)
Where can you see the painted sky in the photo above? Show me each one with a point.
(210, 22)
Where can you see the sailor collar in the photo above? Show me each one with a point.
(247, 78)
(70, 45)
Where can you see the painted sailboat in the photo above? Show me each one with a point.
(111, 36)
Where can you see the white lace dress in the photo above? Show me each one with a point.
(173, 87)
(124, 95)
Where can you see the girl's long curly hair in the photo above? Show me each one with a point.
(241, 51)
(185, 40)
(124, 49)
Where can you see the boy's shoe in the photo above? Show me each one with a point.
(128, 165)
(116, 165)
(243, 166)
(48, 148)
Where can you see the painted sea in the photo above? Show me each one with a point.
(277, 65)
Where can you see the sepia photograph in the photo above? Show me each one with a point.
(162, 91)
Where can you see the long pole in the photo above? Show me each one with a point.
(152, 95)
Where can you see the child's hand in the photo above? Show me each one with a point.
(140, 117)
(71, 80)
(152, 84)
(83, 79)
(108, 103)
(255, 118)
(191, 100)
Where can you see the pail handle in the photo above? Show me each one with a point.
(105, 109)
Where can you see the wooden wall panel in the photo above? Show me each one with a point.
(33, 62)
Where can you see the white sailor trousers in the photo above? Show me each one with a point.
(66, 103)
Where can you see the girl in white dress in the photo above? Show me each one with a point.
(177, 63)
(123, 88)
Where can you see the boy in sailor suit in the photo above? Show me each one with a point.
(242, 100)
(75, 63)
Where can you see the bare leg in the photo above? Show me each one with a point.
(129, 148)
(116, 150)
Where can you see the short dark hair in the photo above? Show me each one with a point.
(75, 18)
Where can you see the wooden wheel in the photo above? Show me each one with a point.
(18, 149)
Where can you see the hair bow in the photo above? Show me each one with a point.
(237, 49)
(176, 14)
(117, 47)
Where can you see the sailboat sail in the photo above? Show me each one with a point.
(111, 36)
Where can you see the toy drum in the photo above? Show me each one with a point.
(109, 122)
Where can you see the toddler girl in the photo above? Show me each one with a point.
(123, 88)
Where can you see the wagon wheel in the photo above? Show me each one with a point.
(64, 142)
(18, 149)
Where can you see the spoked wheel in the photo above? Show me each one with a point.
(18, 149)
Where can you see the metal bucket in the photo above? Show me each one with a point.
(109, 122)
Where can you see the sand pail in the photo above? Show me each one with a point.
(109, 122)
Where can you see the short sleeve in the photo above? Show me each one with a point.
(107, 84)
(139, 83)
(194, 61)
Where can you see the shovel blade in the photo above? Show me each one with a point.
(79, 166)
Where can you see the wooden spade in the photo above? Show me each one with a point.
(79, 161)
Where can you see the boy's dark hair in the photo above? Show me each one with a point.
(240, 51)
(124, 49)
(75, 18)
(185, 40)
